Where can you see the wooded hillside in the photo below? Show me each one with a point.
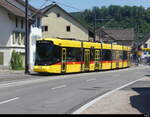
(123, 17)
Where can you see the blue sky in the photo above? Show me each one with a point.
(80, 5)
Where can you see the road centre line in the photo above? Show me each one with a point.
(91, 79)
(32, 81)
(58, 87)
(10, 100)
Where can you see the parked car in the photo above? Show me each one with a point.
(146, 60)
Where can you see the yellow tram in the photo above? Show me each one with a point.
(68, 56)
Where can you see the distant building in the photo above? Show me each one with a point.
(146, 44)
(118, 36)
(12, 29)
(60, 23)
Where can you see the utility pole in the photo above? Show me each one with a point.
(94, 26)
(95, 22)
(26, 39)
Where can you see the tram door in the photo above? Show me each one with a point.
(117, 59)
(97, 59)
(86, 59)
(128, 58)
(63, 63)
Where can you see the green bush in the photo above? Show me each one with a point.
(16, 61)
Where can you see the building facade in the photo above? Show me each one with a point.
(12, 30)
(61, 24)
(146, 44)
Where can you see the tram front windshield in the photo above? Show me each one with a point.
(47, 53)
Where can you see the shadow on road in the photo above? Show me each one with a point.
(55, 74)
(142, 101)
(147, 75)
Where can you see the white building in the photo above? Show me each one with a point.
(12, 31)
(146, 45)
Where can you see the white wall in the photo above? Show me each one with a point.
(146, 54)
(36, 33)
(7, 56)
(6, 28)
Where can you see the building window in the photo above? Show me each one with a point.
(58, 15)
(15, 37)
(145, 45)
(68, 28)
(22, 23)
(18, 38)
(13, 41)
(44, 28)
(23, 38)
(16, 22)
(1, 58)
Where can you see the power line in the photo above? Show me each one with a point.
(46, 1)
(66, 5)
(60, 3)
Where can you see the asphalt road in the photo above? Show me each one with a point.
(62, 94)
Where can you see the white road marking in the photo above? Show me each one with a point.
(91, 80)
(106, 94)
(6, 101)
(62, 86)
(61, 77)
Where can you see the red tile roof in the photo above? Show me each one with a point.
(11, 8)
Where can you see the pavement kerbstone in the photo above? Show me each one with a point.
(121, 101)
(116, 103)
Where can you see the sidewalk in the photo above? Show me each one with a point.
(133, 99)
(11, 75)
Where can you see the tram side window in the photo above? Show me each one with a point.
(128, 55)
(92, 55)
(113, 55)
(125, 56)
(106, 55)
(57, 53)
(120, 55)
(73, 54)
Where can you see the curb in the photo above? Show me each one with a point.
(81, 109)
